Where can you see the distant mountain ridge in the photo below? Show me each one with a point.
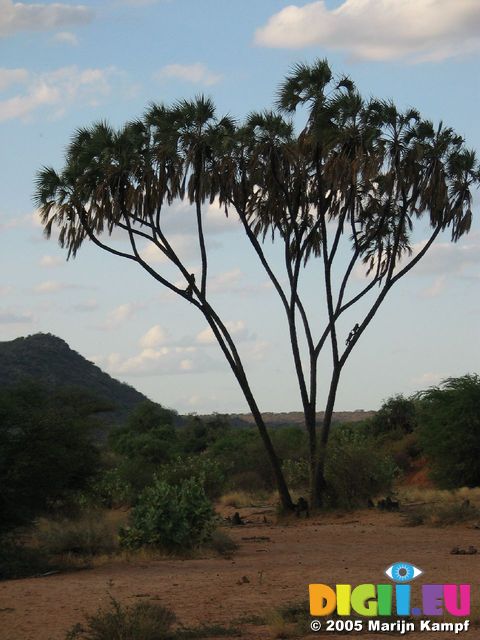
(295, 418)
(49, 360)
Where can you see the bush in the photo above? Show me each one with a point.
(449, 431)
(172, 517)
(46, 451)
(87, 536)
(148, 435)
(397, 416)
(111, 490)
(246, 481)
(19, 561)
(241, 450)
(199, 433)
(404, 451)
(441, 514)
(211, 474)
(147, 440)
(297, 473)
(141, 621)
(355, 469)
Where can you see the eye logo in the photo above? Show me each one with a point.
(403, 572)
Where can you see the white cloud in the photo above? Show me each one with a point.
(162, 361)
(225, 281)
(419, 30)
(436, 288)
(66, 37)
(20, 16)
(54, 90)
(154, 337)
(9, 77)
(86, 306)
(236, 328)
(258, 351)
(117, 316)
(51, 261)
(185, 246)
(7, 316)
(442, 259)
(51, 286)
(456, 258)
(138, 3)
(428, 379)
(197, 73)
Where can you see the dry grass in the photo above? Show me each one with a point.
(89, 535)
(238, 499)
(278, 626)
(438, 496)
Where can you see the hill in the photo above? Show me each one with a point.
(49, 360)
(296, 418)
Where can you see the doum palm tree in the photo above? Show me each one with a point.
(358, 177)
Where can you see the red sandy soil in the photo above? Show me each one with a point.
(354, 549)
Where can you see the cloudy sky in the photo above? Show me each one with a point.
(67, 65)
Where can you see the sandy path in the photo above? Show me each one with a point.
(352, 549)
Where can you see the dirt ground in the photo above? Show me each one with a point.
(273, 566)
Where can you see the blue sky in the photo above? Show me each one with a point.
(66, 65)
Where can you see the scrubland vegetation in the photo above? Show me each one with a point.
(60, 486)
(70, 499)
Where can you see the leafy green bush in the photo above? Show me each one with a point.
(19, 561)
(141, 621)
(199, 433)
(111, 490)
(356, 470)
(172, 517)
(249, 481)
(397, 415)
(449, 431)
(210, 473)
(149, 435)
(47, 454)
(87, 536)
(297, 473)
(404, 451)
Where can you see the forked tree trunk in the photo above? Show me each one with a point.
(283, 491)
(319, 483)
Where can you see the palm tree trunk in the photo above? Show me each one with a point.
(283, 491)
(319, 482)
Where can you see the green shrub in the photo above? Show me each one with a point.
(449, 431)
(246, 481)
(404, 451)
(397, 416)
(141, 621)
(19, 561)
(149, 434)
(297, 473)
(242, 451)
(172, 517)
(89, 535)
(355, 469)
(210, 473)
(47, 454)
(111, 490)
